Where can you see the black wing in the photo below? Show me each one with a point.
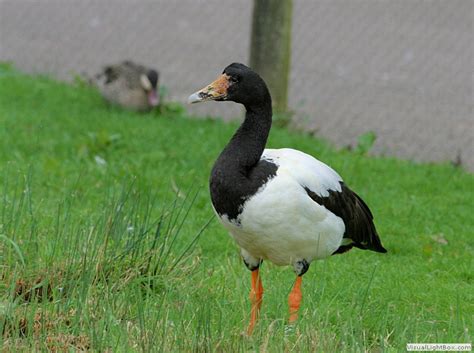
(360, 228)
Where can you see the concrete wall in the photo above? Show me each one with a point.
(403, 69)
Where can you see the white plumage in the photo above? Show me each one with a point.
(281, 222)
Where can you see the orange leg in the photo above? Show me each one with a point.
(294, 300)
(256, 294)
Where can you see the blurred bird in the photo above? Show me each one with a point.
(129, 85)
(280, 205)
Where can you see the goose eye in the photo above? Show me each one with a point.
(233, 79)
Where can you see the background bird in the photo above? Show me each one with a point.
(280, 205)
(129, 85)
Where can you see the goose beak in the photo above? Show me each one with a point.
(153, 99)
(217, 90)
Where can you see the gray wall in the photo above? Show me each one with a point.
(401, 68)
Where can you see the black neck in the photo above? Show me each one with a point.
(246, 146)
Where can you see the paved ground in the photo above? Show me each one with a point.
(403, 69)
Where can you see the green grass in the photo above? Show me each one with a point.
(105, 243)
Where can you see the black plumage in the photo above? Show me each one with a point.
(229, 190)
(357, 218)
(238, 172)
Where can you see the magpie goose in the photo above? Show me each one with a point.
(280, 205)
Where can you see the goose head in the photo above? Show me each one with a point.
(237, 83)
(149, 83)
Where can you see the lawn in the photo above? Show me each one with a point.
(108, 240)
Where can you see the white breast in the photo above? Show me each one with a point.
(281, 222)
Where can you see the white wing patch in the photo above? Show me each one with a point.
(305, 169)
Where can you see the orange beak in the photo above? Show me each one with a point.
(217, 90)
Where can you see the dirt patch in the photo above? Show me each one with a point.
(37, 289)
(20, 331)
